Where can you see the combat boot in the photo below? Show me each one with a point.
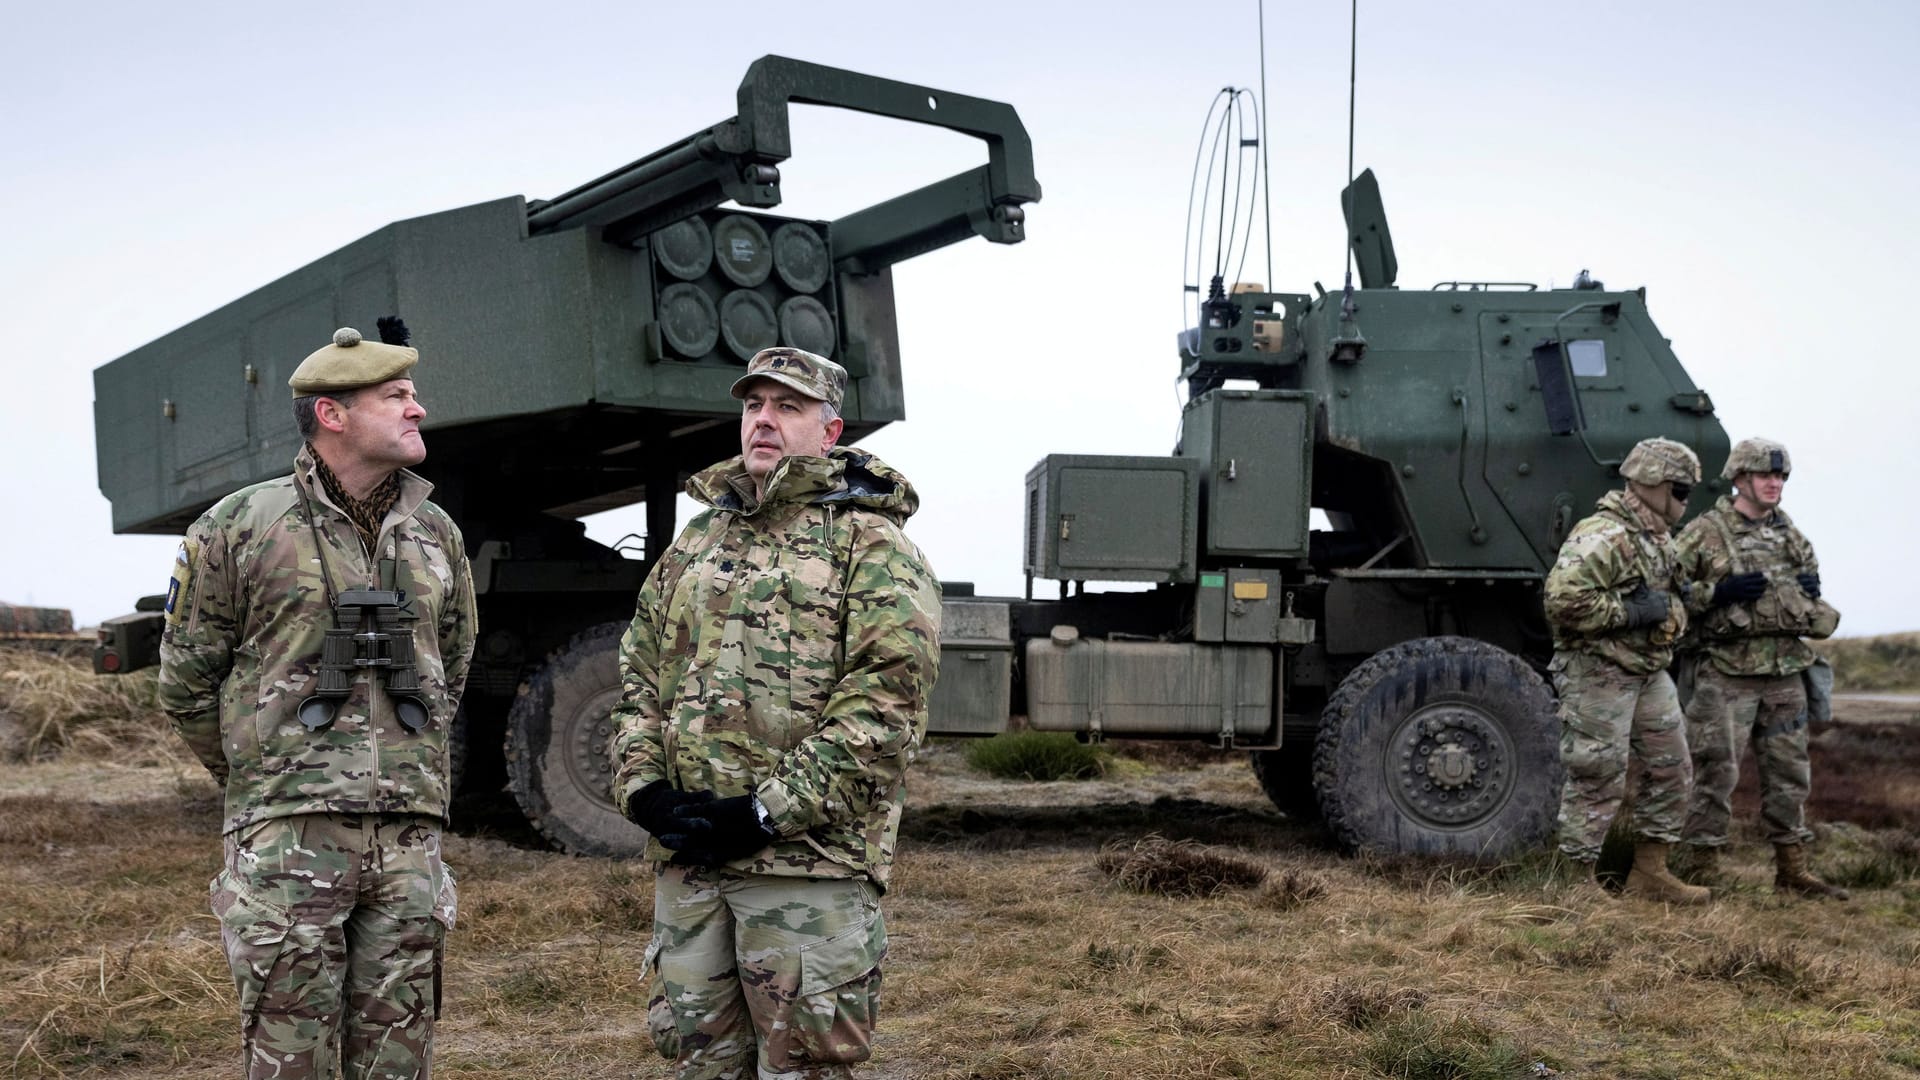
(1651, 880)
(1582, 877)
(1698, 864)
(1792, 875)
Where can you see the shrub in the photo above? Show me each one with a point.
(1037, 755)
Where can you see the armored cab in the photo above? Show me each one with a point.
(1346, 548)
(578, 355)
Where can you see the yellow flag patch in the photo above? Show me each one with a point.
(180, 586)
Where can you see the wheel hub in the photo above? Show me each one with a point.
(589, 760)
(1451, 765)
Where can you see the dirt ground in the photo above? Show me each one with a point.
(1013, 955)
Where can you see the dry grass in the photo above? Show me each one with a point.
(1887, 662)
(53, 704)
(1155, 864)
(1015, 954)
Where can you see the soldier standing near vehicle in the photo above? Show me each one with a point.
(1755, 594)
(775, 682)
(1611, 601)
(318, 631)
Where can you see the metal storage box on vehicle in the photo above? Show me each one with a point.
(1256, 447)
(974, 692)
(1110, 518)
(1149, 687)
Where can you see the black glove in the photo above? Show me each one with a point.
(1809, 584)
(1740, 589)
(720, 831)
(652, 806)
(1646, 607)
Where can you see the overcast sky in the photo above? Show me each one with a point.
(1752, 164)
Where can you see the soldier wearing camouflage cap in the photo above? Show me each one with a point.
(776, 678)
(1612, 602)
(334, 901)
(1755, 596)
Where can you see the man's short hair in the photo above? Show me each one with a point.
(304, 419)
(828, 414)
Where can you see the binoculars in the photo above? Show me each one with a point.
(369, 633)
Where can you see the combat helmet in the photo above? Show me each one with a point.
(1757, 455)
(1656, 460)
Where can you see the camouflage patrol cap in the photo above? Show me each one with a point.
(350, 363)
(814, 376)
(1757, 455)
(1656, 460)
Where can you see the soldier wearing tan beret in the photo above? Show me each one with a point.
(333, 902)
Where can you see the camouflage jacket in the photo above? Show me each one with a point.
(247, 609)
(1761, 637)
(787, 648)
(1606, 557)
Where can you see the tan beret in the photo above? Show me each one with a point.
(350, 363)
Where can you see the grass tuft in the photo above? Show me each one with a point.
(1289, 889)
(1419, 1045)
(1361, 1005)
(1037, 755)
(1886, 860)
(1758, 965)
(1180, 868)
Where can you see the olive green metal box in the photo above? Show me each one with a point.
(1256, 451)
(973, 694)
(1150, 687)
(1110, 518)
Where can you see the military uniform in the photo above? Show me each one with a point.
(1615, 693)
(1609, 600)
(1748, 667)
(783, 649)
(333, 899)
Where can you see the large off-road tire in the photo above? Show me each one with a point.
(557, 761)
(1439, 746)
(1287, 778)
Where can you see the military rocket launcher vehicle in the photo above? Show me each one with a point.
(1337, 569)
(578, 356)
(1385, 669)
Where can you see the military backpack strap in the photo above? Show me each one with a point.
(1726, 537)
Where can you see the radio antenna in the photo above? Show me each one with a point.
(1266, 169)
(1353, 64)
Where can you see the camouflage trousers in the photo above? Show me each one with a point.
(1770, 712)
(753, 975)
(333, 925)
(1607, 716)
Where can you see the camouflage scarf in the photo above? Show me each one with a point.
(1649, 518)
(366, 514)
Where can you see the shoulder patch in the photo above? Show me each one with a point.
(180, 585)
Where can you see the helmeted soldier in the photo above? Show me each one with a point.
(1613, 601)
(775, 684)
(1755, 594)
(318, 631)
